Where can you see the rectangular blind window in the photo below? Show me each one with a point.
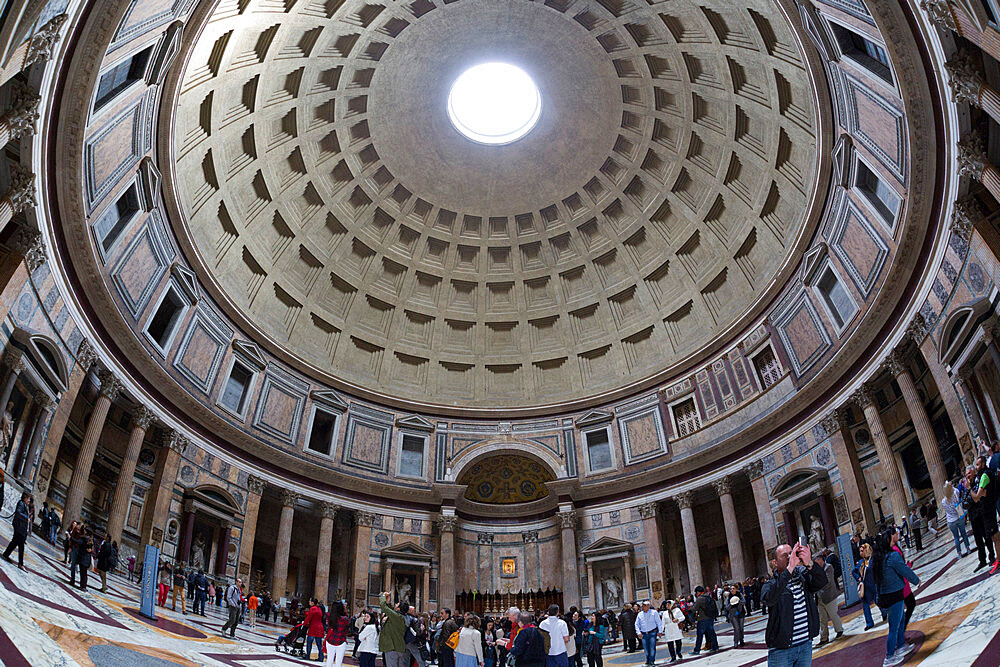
(686, 416)
(411, 456)
(836, 296)
(598, 449)
(768, 368)
(111, 225)
(235, 392)
(877, 192)
(121, 76)
(164, 321)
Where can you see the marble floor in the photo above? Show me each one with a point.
(43, 621)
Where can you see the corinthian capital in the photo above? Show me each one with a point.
(21, 193)
(917, 329)
(255, 484)
(895, 364)
(177, 442)
(143, 418)
(971, 157)
(23, 111)
(85, 354)
(648, 510)
(833, 422)
(684, 500)
(36, 254)
(567, 519)
(940, 12)
(965, 79)
(964, 216)
(328, 510)
(755, 469)
(289, 498)
(722, 486)
(364, 519)
(43, 41)
(864, 396)
(111, 386)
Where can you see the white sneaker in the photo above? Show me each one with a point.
(892, 660)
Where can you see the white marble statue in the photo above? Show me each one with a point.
(198, 553)
(402, 590)
(816, 538)
(6, 427)
(612, 592)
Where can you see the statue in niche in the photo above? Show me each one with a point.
(6, 427)
(816, 538)
(198, 553)
(402, 590)
(612, 592)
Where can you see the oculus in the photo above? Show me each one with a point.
(494, 103)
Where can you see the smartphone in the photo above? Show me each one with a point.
(802, 540)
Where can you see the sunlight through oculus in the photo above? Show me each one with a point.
(494, 103)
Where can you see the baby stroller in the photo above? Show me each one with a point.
(293, 642)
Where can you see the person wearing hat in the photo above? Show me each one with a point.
(736, 613)
(647, 626)
(827, 602)
(671, 620)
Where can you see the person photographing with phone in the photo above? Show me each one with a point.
(789, 597)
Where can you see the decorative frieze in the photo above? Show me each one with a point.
(42, 42)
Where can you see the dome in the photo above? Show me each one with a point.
(332, 210)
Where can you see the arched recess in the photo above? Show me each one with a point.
(52, 361)
(209, 496)
(958, 326)
(798, 483)
(489, 448)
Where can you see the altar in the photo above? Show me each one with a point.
(496, 603)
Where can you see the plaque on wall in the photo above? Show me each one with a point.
(657, 588)
(640, 575)
(433, 592)
(374, 582)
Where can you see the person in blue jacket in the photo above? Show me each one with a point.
(595, 635)
(864, 578)
(889, 572)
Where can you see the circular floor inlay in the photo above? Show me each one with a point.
(494, 103)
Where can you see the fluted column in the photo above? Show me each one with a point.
(45, 408)
(284, 543)
(141, 421)
(110, 387)
(362, 539)
(890, 471)
(918, 331)
(852, 477)
(921, 422)
(255, 487)
(695, 576)
(328, 512)
(222, 552)
(654, 551)
(14, 361)
(446, 572)
(37, 49)
(570, 575)
(733, 540)
(968, 85)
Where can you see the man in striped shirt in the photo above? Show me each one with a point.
(792, 617)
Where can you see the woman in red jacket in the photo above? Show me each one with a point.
(316, 631)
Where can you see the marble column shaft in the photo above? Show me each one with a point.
(890, 471)
(187, 533)
(281, 548)
(154, 522)
(446, 573)
(141, 421)
(255, 487)
(570, 574)
(88, 448)
(8, 385)
(921, 424)
(28, 464)
(765, 518)
(947, 389)
(733, 539)
(321, 586)
(852, 477)
(222, 553)
(654, 552)
(19, 448)
(362, 549)
(691, 550)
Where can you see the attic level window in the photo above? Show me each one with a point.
(881, 196)
(234, 394)
(324, 426)
(991, 12)
(164, 321)
(836, 297)
(865, 52)
(121, 76)
(114, 221)
(598, 449)
(767, 367)
(686, 417)
(411, 456)
(494, 103)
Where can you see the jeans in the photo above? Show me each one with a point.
(53, 534)
(199, 601)
(866, 607)
(737, 624)
(366, 659)
(309, 646)
(706, 629)
(894, 640)
(800, 655)
(649, 646)
(958, 528)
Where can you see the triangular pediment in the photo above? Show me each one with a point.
(407, 550)
(187, 280)
(330, 399)
(250, 352)
(607, 544)
(415, 422)
(811, 262)
(594, 417)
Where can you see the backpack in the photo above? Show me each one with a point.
(711, 608)
(410, 637)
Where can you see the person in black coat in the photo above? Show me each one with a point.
(529, 644)
(22, 527)
(627, 621)
(105, 560)
(84, 557)
(789, 593)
